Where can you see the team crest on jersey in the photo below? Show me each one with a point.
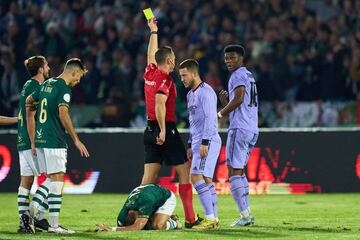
(67, 97)
(39, 133)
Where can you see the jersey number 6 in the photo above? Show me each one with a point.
(43, 114)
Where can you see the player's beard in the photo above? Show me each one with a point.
(192, 83)
(74, 83)
(46, 76)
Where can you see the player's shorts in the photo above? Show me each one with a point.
(29, 165)
(52, 160)
(239, 145)
(169, 206)
(172, 152)
(205, 166)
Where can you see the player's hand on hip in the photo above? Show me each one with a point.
(189, 154)
(204, 151)
(82, 149)
(152, 23)
(161, 138)
(223, 96)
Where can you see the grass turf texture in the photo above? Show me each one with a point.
(313, 216)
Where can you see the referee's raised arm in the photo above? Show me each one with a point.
(153, 42)
(162, 140)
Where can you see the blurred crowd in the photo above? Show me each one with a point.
(301, 50)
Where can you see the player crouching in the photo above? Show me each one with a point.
(147, 207)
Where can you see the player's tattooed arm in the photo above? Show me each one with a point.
(235, 102)
(153, 42)
(8, 120)
(30, 121)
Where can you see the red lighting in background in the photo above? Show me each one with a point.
(5, 155)
(221, 172)
(253, 163)
(357, 167)
(267, 171)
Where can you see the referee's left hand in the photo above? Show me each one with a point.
(204, 151)
(161, 138)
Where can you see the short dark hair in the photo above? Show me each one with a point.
(162, 53)
(33, 64)
(190, 64)
(130, 218)
(74, 63)
(235, 48)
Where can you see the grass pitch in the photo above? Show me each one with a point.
(313, 216)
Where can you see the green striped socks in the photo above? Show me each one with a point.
(55, 200)
(38, 205)
(23, 200)
(40, 195)
(171, 224)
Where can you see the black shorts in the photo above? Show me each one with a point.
(172, 152)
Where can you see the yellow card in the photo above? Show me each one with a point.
(148, 13)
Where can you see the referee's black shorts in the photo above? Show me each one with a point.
(172, 152)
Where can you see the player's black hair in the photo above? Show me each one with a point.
(74, 63)
(162, 53)
(235, 48)
(33, 64)
(190, 64)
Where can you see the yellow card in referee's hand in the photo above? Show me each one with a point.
(148, 13)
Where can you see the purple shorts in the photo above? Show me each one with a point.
(239, 145)
(205, 166)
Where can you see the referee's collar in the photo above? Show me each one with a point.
(162, 71)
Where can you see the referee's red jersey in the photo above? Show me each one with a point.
(159, 81)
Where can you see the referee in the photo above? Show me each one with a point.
(161, 138)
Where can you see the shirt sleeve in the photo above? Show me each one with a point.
(209, 105)
(35, 94)
(190, 139)
(64, 96)
(190, 135)
(149, 71)
(165, 86)
(239, 80)
(122, 215)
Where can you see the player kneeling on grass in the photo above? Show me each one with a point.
(148, 205)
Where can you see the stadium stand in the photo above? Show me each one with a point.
(306, 61)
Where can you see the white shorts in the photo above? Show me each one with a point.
(168, 207)
(29, 165)
(52, 160)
